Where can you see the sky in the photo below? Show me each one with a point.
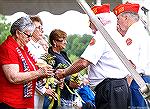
(72, 22)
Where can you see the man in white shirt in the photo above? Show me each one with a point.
(105, 71)
(137, 46)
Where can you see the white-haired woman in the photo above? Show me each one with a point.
(18, 71)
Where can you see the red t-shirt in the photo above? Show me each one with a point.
(12, 94)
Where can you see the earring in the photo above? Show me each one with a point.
(55, 45)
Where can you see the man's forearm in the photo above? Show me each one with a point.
(77, 66)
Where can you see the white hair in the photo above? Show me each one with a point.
(22, 24)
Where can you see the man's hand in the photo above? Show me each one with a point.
(60, 73)
(133, 65)
(74, 85)
(129, 79)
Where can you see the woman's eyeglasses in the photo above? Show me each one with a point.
(59, 40)
(40, 28)
(29, 35)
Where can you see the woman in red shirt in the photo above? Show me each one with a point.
(18, 71)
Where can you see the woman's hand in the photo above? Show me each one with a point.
(61, 83)
(46, 71)
(51, 92)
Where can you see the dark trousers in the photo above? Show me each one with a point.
(47, 102)
(112, 94)
(137, 100)
(5, 106)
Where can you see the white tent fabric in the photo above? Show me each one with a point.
(72, 22)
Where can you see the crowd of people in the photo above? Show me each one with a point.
(37, 74)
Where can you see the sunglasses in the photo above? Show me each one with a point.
(59, 40)
(29, 35)
(40, 27)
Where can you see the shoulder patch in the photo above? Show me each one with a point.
(129, 41)
(92, 41)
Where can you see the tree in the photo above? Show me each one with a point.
(4, 28)
(77, 44)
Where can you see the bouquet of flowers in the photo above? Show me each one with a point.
(52, 82)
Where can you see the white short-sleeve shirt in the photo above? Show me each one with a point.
(105, 63)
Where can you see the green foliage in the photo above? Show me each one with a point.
(61, 66)
(73, 57)
(4, 28)
(77, 44)
(48, 58)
